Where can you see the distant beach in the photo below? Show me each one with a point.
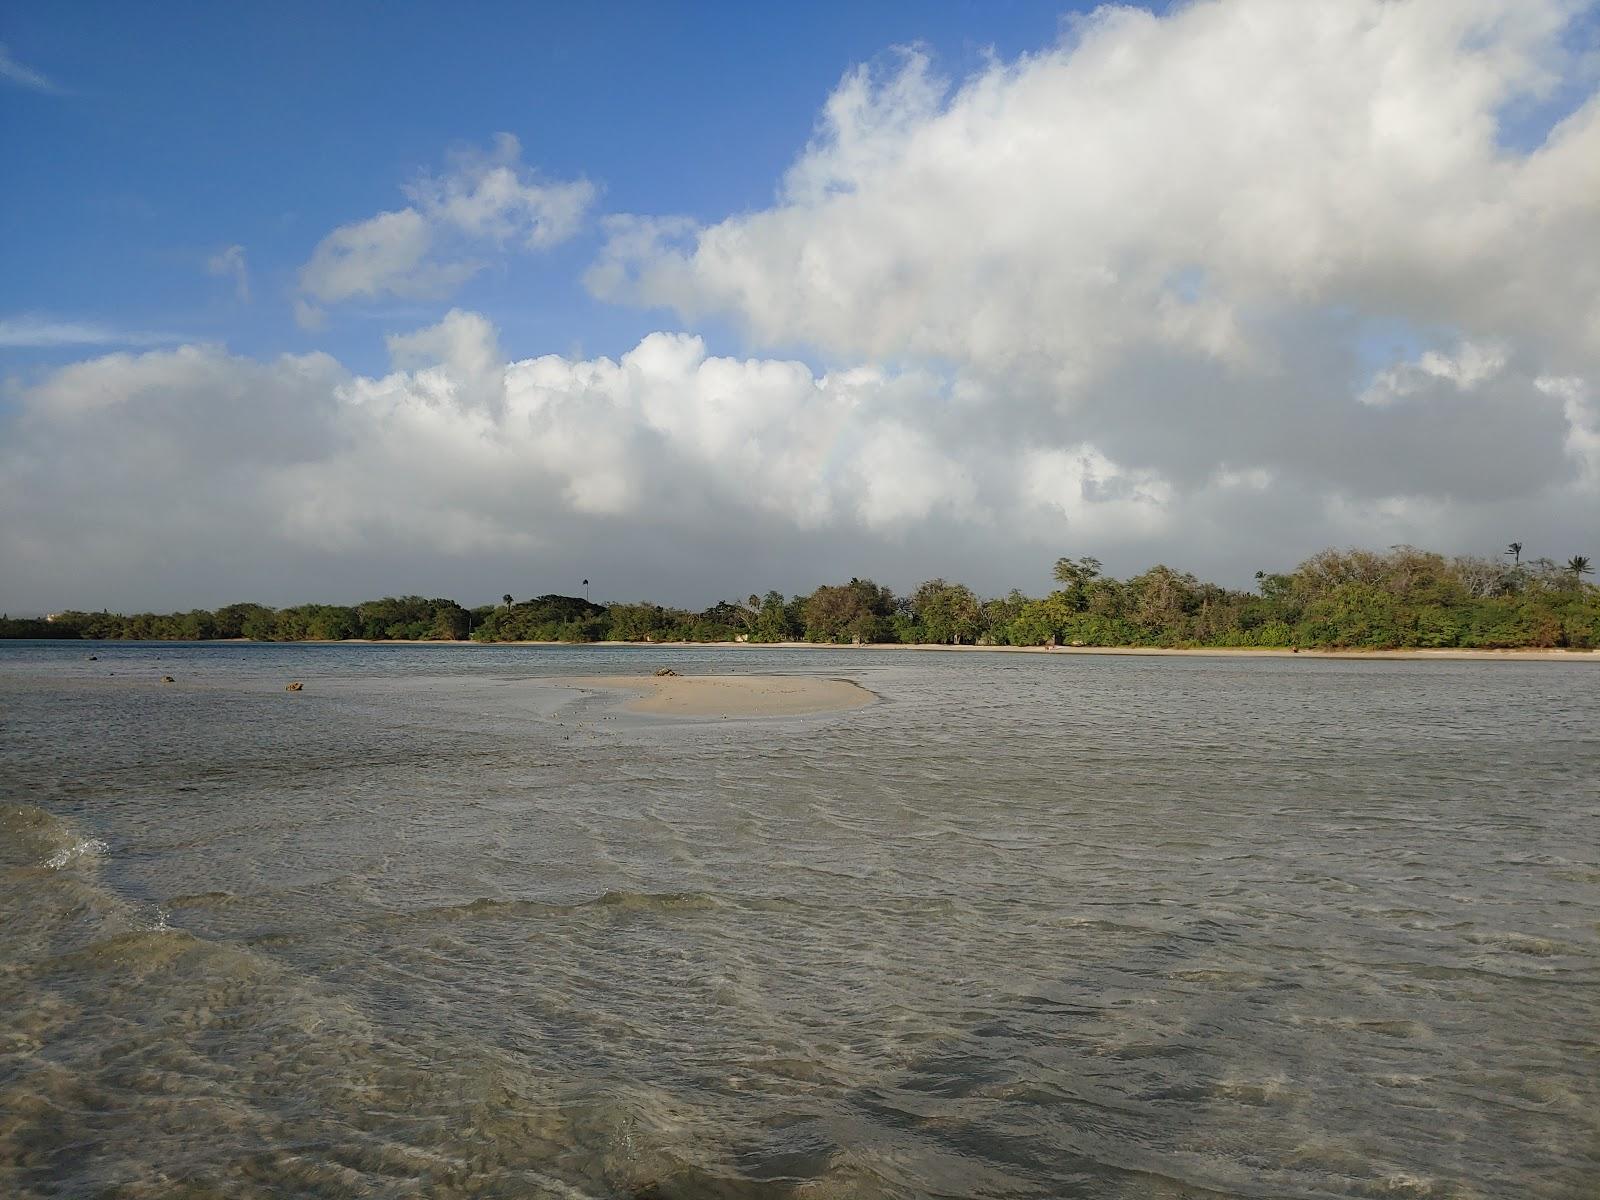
(1413, 655)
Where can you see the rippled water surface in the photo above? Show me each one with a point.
(1032, 926)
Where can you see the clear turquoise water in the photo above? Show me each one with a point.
(1031, 926)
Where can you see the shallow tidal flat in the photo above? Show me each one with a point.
(483, 924)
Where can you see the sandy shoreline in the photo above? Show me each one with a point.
(1445, 655)
(726, 695)
(1448, 654)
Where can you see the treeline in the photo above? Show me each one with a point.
(404, 618)
(1402, 598)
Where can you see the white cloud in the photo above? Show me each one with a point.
(24, 76)
(153, 459)
(230, 263)
(1582, 411)
(457, 453)
(385, 253)
(1098, 497)
(1471, 365)
(181, 476)
(33, 332)
(1269, 153)
(491, 196)
(428, 249)
(1166, 236)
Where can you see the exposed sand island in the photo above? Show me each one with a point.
(729, 695)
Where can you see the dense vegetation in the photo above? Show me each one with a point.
(1338, 598)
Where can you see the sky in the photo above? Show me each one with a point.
(695, 301)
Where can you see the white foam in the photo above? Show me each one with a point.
(86, 848)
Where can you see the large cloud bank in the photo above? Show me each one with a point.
(1219, 287)
(670, 459)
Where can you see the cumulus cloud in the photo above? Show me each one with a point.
(186, 456)
(1168, 241)
(1094, 494)
(486, 201)
(1161, 180)
(193, 476)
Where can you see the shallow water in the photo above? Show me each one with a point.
(1033, 926)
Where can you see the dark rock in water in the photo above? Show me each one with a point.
(168, 679)
(295, 686)
(665, 671)
(92, 657)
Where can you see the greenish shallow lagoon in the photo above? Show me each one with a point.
(1029, 927)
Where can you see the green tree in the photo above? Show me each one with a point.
(856, 611)
(776, 620)
(230, 619)
(1075, 575)
(947, 612)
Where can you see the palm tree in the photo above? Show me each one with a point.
(507, 599)
(1580, 566)
(1515, 550)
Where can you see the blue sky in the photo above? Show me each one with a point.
(821, 290)
(180, 129)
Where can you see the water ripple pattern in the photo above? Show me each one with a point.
(1029, 926)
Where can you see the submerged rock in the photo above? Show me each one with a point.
(168, 679)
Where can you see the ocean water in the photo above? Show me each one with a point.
(1032, 926)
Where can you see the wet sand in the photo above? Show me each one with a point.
(728, 695)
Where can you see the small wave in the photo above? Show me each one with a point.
(152, 919)
(83, 848)
(1519, 943)
(29, 835)
(657, 901)
(611, 901)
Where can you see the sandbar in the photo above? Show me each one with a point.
(729, 695)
